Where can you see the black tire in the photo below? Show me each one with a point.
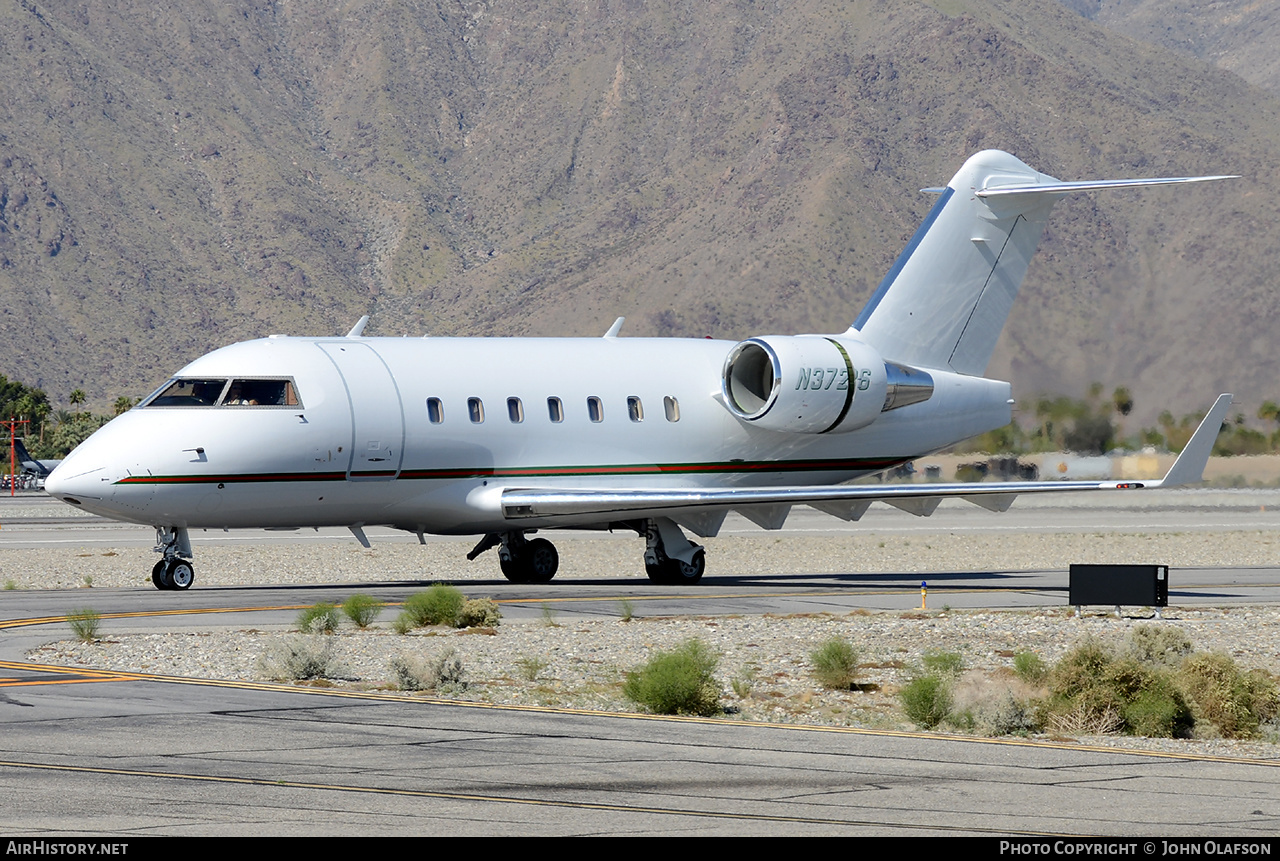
(180, 575)
(157, 575)
(673, 572)
(513, 569)
(541, 561)
(658, 573)
(689, 572)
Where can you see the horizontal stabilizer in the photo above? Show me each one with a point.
(1089, 185)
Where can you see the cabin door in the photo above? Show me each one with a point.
(377, 416)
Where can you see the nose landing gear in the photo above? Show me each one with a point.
(173, 571)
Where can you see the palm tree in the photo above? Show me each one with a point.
(1123, 400)
(1270, 412)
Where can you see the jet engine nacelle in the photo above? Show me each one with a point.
(805, 383)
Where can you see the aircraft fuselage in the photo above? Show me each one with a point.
(424, 433)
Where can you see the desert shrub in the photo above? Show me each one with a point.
(626, 610)
(1159, 645)
(321, 618)
(680, 681)
(529, 667)
(362, 609)
(835, 664)
(410, 674)
(449, 674)
(1235, 703)
(441, 604)
(744, 682)
(1079, 669)
(1093, 690)
(84, 623)
(443, 673)
(926, 699)
(1030, 667)
(299, 659)
(479, 613)
(993, 705)
(1156, 708)
(942, 663)
(1004, 714)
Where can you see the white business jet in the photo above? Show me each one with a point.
(502, 437)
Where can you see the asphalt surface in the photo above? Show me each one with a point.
(99, 753)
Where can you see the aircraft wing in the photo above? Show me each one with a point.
(702, 509)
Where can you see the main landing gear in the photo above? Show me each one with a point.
(522, 560)
(669, 557)
(174, 571)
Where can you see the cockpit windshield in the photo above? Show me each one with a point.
(261, 393)
(188, 393)
(236, 392)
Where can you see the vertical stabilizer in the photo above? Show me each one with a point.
(946, 299)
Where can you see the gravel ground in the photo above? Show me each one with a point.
(347, 562)
(764, 669)
(764, 660)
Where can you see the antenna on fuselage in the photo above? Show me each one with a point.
(358, 328)
(615, 328)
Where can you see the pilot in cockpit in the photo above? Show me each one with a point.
(235, 396)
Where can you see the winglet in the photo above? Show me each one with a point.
(1189, 467)
(615, 328)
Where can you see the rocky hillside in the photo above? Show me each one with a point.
(172, 179)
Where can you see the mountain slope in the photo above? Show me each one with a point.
(172, 180)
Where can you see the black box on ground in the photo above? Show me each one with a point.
(1117, 585)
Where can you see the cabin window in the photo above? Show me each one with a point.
(555, 409)
(188, 393)
(475, 409)
(435, 411)
(672, 408)
(260, 393)
(515, 410)
(635, 409)
(595, 409)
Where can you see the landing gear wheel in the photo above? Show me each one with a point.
(180, 574)
(158, 578)
(689, 572)
(673, 572)
(512, 569)
(537, 562)
(541, 561)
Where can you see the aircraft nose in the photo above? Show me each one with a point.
(74, 481)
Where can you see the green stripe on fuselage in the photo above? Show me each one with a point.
(859, 464)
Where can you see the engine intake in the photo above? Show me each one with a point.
(804, 383)
(816, 384)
